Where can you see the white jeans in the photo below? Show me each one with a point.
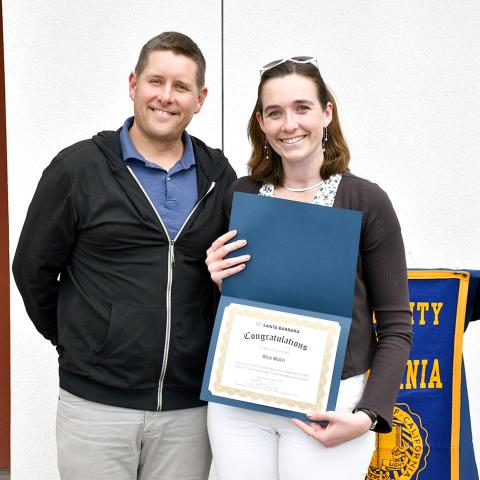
(102, 442)
(251, 445)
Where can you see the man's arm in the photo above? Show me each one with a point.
(44, 248)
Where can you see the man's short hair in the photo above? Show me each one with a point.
(177, 43)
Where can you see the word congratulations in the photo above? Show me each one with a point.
(274, 338)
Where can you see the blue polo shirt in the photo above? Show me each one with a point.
(173, 193)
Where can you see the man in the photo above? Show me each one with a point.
(111, 267)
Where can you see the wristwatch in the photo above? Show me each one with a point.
(371, 414)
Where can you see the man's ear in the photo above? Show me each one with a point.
(132, 84)
(202, 95)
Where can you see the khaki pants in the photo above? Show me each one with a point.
(102, 442)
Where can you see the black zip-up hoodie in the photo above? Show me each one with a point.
(130, 310)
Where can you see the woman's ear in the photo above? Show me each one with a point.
(258, 115)
(328, 114)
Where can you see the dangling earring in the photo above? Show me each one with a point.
(324, 138)
(266, 150)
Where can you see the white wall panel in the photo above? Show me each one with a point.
(67, 65)
(406, 76)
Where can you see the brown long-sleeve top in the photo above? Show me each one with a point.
(380, 287)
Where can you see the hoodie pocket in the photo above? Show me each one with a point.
(132, 351)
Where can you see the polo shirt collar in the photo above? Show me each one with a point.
(129, 152)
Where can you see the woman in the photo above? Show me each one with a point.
(299, 153)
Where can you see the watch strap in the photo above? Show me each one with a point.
(371, 414)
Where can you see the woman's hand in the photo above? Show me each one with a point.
(341, 427)
(218, 266)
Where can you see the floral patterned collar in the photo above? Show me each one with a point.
(325, 195)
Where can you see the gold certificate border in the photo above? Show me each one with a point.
(331, 329)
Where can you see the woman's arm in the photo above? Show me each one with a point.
(385, 276)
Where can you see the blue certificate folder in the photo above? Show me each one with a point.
(303, 261)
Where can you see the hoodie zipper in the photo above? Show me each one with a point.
(168, 293)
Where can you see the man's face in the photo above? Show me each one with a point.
(165, 96)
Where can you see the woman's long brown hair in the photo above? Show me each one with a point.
(270, 170)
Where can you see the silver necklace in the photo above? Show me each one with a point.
(306, 189)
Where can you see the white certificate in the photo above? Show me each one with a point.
(274, 358)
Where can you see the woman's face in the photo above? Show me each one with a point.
(293, 118)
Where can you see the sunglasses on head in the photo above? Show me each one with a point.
(276, 63)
